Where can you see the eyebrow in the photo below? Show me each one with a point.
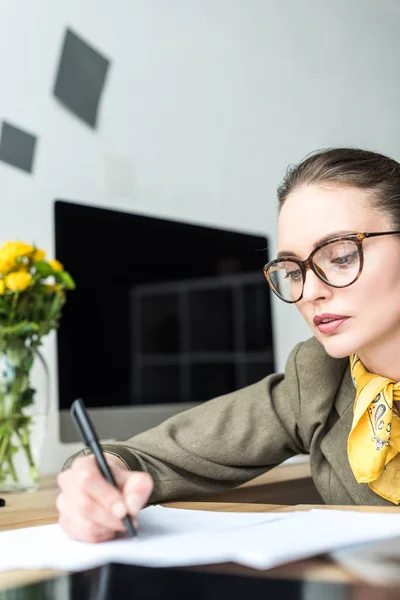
(325, 238)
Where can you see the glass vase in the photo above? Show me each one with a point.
(24, 401)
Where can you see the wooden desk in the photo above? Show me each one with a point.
(38, 508)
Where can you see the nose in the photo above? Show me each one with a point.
(314, 288)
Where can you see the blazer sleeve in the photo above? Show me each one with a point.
(220, 443)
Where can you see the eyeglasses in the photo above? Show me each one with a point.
(337, 262)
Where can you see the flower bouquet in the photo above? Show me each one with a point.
(32, 294)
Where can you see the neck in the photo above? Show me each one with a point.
(383, 358)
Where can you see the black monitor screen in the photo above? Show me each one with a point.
(163, 311)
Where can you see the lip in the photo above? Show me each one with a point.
(335, 322)
(319, 318)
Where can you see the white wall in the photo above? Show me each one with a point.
(206, 103)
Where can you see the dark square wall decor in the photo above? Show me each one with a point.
(17, 148)
(80, 78)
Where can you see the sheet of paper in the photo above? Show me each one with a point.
(170, 530)
(172, 537)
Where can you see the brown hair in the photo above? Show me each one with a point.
(375, 173)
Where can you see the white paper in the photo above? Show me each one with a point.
(173, 532)
(172, 537)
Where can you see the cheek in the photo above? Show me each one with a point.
(380, 281)
(305, 310)
(301, 308)
(376, 292)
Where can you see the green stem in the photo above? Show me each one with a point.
(3, 458)
(13, 307)
(3, 448)
(15, 397)
(11, 468)
(25, 443)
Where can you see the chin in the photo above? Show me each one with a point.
(336, 347)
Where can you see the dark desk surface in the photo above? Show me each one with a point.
(120, 582)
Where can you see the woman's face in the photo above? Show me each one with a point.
(371, 305)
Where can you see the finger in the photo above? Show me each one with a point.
(82, 506)
(137, 489)
(85, 531)
(86, 477)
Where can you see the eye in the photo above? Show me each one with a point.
(346, 260)
(294, 275)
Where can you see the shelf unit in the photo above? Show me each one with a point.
(198, 338)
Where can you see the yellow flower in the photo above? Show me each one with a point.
(2, 287)
(18, 281)
(39, 255)
(56, 265)
(16, 248)
(6, 263)
(10, 251)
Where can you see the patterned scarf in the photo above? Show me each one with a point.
(374, 440)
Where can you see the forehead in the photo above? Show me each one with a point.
(312, 212)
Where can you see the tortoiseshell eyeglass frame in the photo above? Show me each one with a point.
(308, 263)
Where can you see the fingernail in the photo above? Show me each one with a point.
(134, 502)
(119, 509)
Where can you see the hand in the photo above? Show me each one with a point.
(91, 509)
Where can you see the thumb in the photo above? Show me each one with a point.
(136, 490)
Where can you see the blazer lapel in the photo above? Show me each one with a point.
(334, 446)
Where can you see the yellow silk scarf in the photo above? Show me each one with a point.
(374, 440)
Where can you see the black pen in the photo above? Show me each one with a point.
(89, 436)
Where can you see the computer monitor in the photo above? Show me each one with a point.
(165, 315)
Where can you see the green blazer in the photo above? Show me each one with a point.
(236, 437)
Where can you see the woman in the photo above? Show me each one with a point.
(339, 264)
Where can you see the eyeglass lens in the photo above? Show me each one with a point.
(337, 263)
